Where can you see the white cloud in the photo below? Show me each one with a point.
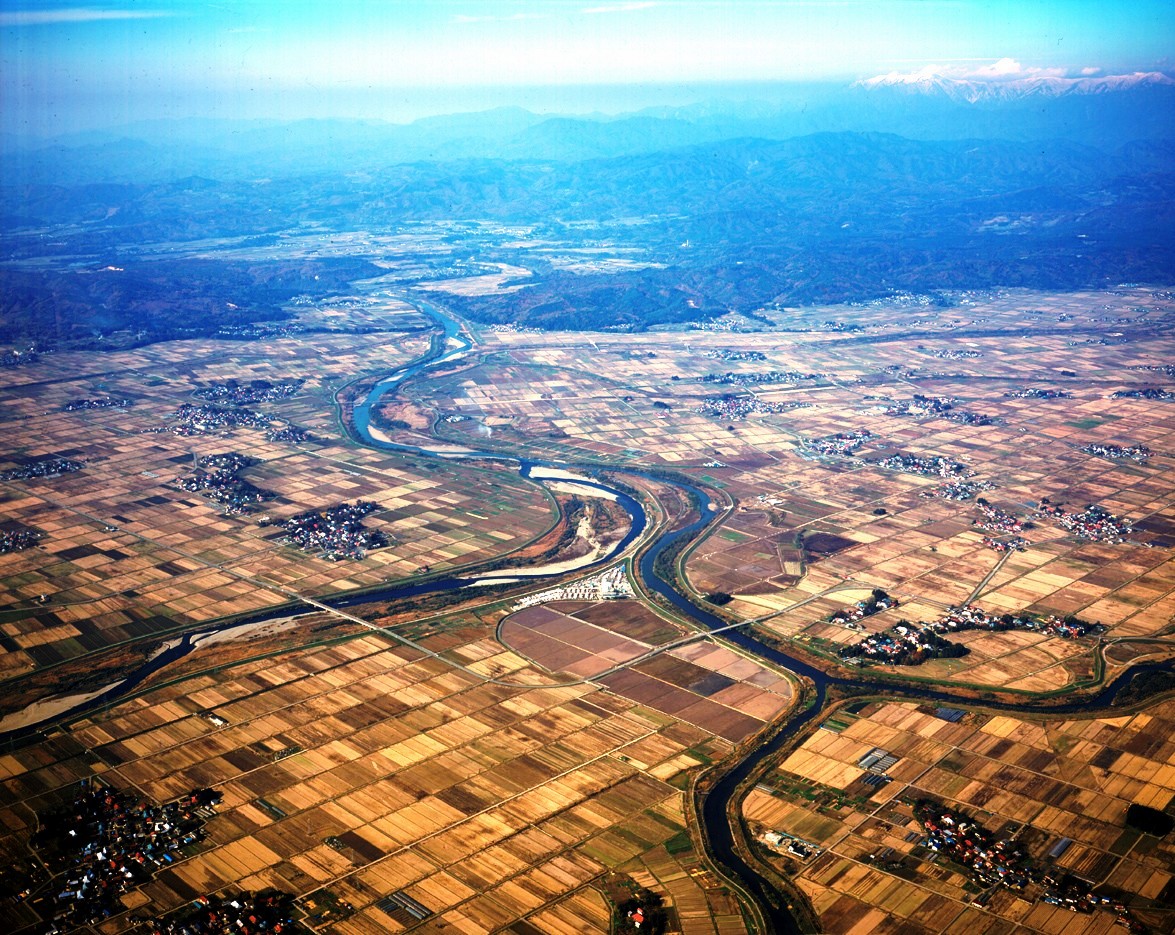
(1006, 69)
(618, 8)
(73, 15)
(464, 18)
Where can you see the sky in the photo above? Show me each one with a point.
(68, 65)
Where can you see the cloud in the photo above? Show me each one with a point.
(464, 18)
(1005, 69)
(73, 15)
(619, 7)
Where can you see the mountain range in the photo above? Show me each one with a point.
(1097, 111)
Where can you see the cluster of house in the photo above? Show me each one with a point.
(912, 644)
(190, 420)
(47, 467)
(730, 378)
(608, 585)
(17, 539)
(967, 843)
(736, 408)
(925, 465)
(839, 444)
(337, 532)
(1075, 895)
(1006, 544)
(996, 519)
(905, 644)
(992, 863)
(728, 353)
(919, 405)
(1037, 393)
(1150, 392)
(952, 354)
(109, 842)
(289, 433)
(266, 913)
(245, 394)
(958, 490)
(1136, 453)
(875, 604)
(1092, 523)
(20, 357)
(786, 844)
(74, 405)
(964, 417)
(258, 330)
(216, 478)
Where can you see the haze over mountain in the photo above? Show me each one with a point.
(1102, 111)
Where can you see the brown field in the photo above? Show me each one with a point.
(501, 807)
(701, 682)
(487, 804)
(125, 553)
(803, 528)
(1054, 779)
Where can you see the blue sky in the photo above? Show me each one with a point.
(75, 64)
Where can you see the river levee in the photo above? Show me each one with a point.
(714, 807)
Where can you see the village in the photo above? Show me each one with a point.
(336, 533)
(45, 467)
(216, 478)
(105, 843)
(909, 644)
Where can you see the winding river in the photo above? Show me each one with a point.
(452, 345)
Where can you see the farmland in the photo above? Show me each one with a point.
(487, 759)
(1060, 788)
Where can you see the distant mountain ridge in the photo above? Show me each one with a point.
(1104, 112)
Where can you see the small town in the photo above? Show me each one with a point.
(748, 379)
(913, 644)
(876, 602)
(48, 467)
(958, 490)
(190, 420)
(1136, 453)
(925, 465)
(291, 434)
(1001, 863)
(1092, 523)
(919, 405)
(106, 843)
(1035, 392)
(336, 533)
(730, 354)
(256, 391)
(216, 478)
(736, 408)
(76, 405)
(269, 912)
(956, 837)
(996, 519)
(1149, 393)
(838, 445)
(14, 540)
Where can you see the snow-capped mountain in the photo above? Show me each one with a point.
(974, 90)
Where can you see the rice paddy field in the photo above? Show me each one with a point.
(1061, 788)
